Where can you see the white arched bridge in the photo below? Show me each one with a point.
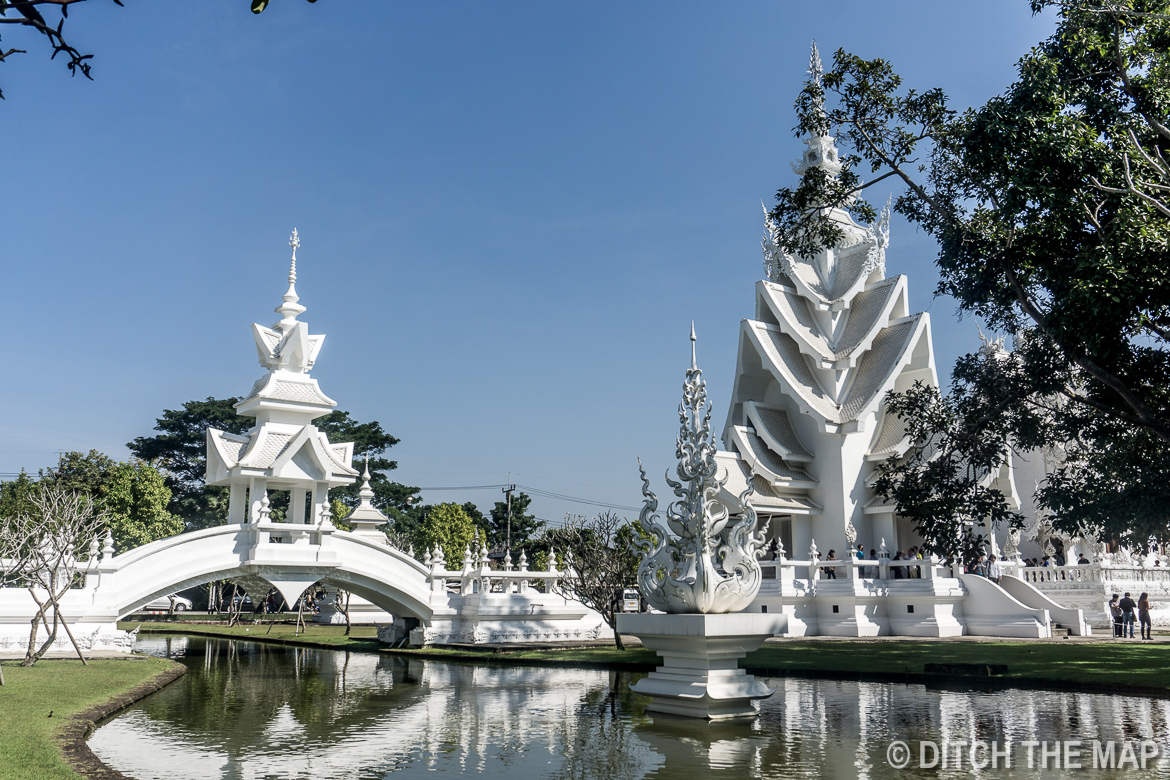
(470, 604)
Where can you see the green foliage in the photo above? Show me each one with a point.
(1049, 205)
(135, 502)
(369, 441)
(448, 526)
(180, 450)
(16, 497)
(524, 523)
(946, 487)
(339, 511)
(133, 496)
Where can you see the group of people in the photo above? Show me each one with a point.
(987, 566)
(1125, 611)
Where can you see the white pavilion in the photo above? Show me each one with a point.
(284, 450)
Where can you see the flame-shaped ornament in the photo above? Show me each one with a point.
(704, 560)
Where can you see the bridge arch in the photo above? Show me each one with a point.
(388, 578)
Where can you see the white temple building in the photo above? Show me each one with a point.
(830, 338)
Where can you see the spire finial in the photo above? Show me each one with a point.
(290, 308)
(694, 362)
(295, 242)
(814, 63)
(366, 493)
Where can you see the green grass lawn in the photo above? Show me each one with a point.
(360, 638)
(1097, 663)
(27, 747)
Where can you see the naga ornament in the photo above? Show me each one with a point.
(703, 560)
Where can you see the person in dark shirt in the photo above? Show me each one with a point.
(1144, 616)
(1128, 608)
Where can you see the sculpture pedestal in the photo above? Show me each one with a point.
(700, 676)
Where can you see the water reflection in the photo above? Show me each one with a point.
(251, 711)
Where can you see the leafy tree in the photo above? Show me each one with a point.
(180, 450)
(369, 440)
(448, 526)
(601, 563)
(524, 524)
(133, 497)
(135, 503)
(1051, 211)
(16, 497)
(946, 487)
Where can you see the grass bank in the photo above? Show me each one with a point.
(363, 638)
(32, 742)
(1094, 666)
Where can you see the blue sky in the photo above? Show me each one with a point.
(509, 212)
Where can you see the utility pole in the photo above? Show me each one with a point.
(508, 539)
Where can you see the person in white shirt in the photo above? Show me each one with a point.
(994, 570)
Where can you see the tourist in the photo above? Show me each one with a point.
(1047, 561)
(898, 570)
(1115, 612)
(860, 555)
(1128, 615)
(1144, 616)
(994, 571)
(1082, 560)
(873, 571)
(980, 566)
(830, 571)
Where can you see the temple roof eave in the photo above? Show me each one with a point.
(810, 396)
(766, 499)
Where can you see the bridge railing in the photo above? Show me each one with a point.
(484, 580)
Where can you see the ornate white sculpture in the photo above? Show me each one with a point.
(709, 564)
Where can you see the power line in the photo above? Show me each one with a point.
(535, 491)
(465, 487)
(575, 499)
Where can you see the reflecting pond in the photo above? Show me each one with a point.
(251, 711)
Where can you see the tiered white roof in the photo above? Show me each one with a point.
(284, 447)
(830, 338)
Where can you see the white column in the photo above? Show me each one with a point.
(256, 492)
(237, 502)
(993, 544)
(297, 505)
(320, 501)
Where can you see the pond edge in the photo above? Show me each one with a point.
(72, 737)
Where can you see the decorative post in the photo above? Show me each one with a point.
(523, 588)
(814, 571)
(702, 569)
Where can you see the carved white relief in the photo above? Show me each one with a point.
(703, 560)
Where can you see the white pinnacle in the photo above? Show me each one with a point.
(367, 492)
(290, 308)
